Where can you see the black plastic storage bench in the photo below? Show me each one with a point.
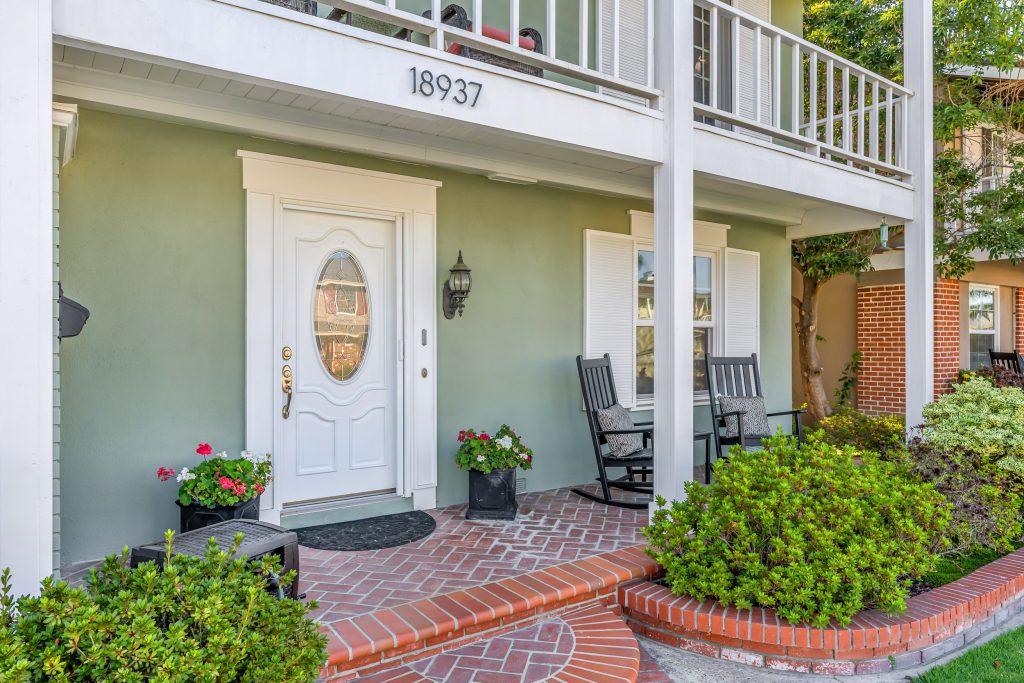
(261, 538)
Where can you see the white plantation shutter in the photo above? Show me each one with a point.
(742, 302)
(608, 314)
(762, 10)
(633, 43)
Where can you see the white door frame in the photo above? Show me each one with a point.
(270, 183)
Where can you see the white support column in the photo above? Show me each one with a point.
(26, 292)
(673, 251)
(919, 255)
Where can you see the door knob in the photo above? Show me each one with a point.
(286, 387)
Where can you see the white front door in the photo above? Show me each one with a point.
(338, 335)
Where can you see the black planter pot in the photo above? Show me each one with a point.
(195, 516)
(492, 496)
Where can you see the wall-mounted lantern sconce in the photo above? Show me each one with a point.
(456, 288)
(883, 234)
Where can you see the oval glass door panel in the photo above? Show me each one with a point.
(341, 315)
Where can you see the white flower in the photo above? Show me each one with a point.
(185, 475)
(256, 458)
(222, 454)
(523, 456)
(505, 442)
(480, 458)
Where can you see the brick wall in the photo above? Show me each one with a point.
(1018, 318)
(881, 340)
(947, 334)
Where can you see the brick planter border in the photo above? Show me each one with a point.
(934, 624)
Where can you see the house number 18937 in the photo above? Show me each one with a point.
(429, 84)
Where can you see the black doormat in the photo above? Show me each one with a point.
(374, 533)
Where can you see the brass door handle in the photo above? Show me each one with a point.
(286, 387)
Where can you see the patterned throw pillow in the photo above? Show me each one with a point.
(619, 445)
(755, 417)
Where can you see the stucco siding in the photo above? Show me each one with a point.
(154, 246)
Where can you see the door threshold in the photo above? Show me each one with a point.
(341, 503)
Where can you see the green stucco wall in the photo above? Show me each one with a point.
(152, 241)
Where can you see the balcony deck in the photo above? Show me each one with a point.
(262, 69)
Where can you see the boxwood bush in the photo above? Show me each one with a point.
(882, 434)
(200, 620)
(803, 529)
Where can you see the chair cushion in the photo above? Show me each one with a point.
(755, 416)
(616, 418)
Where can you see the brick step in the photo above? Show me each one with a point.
(392, 637)
(590, 645)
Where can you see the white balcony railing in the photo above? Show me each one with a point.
(497, 33)
(753, 77)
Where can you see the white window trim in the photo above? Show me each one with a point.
(994, 332)
(717, 325)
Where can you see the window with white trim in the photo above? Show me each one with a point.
(983, 323)
(620, 304)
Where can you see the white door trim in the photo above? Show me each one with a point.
(273, 183)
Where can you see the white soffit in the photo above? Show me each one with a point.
(154, 91)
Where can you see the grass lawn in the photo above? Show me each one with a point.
(950, 569)
(994, 662)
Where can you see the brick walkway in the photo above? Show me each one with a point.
(592, 645)
(553, 527)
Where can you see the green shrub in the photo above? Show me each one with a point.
(882, 434)
(803, 529)
(980, 418)
(200, 620)
(985, 510)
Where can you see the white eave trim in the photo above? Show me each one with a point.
(65, 117)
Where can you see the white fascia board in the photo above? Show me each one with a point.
(254, 41)
(65, 117)
(989, 72)
(191, 106)
(771, 166)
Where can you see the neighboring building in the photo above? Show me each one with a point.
(981, 312)
(259, 186)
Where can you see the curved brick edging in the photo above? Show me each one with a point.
(934, 624)
(391, 637)
(604, 651)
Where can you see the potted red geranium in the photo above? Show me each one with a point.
(492, 463)
(219, 488)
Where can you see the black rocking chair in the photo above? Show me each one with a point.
(1008, 360)
(598, 386)
(738, 376)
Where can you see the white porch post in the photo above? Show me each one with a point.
(673, 251)
(919, 259)
(26, 292)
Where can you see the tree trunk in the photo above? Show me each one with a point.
(810, 361)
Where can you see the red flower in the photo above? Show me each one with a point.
(226, 483)
(259, 488)
(204, 449)
(239, 488)
(163, 474)
(485, 437)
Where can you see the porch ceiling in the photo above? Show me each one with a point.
(146, 88)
